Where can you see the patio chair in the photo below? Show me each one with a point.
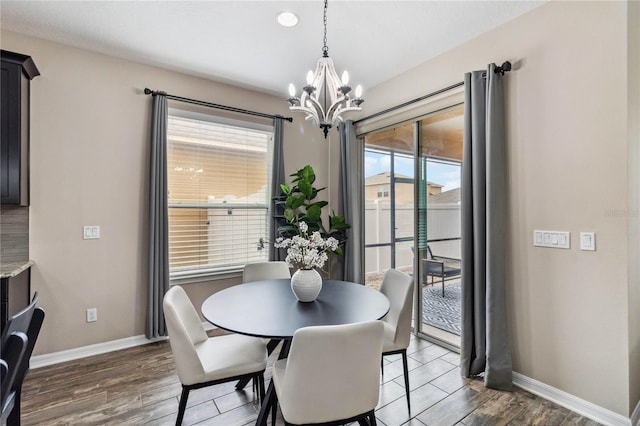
(439, 267)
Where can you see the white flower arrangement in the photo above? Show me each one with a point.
(306, 251)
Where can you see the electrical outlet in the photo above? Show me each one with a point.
(92, 314)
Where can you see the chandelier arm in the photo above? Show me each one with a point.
(322, 115)
(310, 106)
(338, 115)
(309, 112)
(337, 106)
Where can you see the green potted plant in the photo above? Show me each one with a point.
(303, 233)
(300, 203)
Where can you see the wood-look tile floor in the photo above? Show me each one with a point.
(139, 386)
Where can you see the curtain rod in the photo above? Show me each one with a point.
(505, 67)
(217, 106)
(413, 101)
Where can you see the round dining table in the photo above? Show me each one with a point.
(269, 309)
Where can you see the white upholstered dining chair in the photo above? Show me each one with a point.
(397, 286)
(202, 360)
(271, 270)
(265, 271)
(331, 376)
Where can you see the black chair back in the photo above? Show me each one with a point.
(21, 320)
(28, 322)
(13, 352)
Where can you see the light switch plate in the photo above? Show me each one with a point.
(91, 232)
(588, 241)
(553, 239)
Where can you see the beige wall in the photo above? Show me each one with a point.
(633, 137)
(89, 160)
(567, 165)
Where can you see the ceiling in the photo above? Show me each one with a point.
(240, 42)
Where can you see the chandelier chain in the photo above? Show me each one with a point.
(325, 49)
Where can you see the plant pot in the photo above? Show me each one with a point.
(306, 284)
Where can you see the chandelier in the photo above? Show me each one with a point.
(326, 96)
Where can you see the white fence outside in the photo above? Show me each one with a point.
(443, 221)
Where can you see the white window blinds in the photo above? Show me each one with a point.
(218, 177)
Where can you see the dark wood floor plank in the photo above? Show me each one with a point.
(497, 411)
(139, 385)
(538, 411)
(575, 419)
(453, 408)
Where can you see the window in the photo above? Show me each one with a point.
(383, 191)
(218, 176)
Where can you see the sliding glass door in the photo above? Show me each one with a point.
(412, 215)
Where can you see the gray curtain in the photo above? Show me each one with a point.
(158, 222)
(484, 340)
(351, 204)
(277, 177)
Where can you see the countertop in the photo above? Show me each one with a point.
(11, 269)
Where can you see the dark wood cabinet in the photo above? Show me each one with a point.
(15, 293)
(17, 72)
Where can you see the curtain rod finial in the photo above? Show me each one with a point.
(505, 67)
(147, 91)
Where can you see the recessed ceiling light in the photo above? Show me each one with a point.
(287, 19)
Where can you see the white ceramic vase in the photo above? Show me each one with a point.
(306, 284)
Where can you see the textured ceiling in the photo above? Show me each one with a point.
(240, 42)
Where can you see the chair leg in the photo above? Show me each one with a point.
(14, 416)
(261, 387)
(372, 418)
(183, 404)
(254, 386)
(406, 379)
(274, 409)
(442, 285)
(382, 365)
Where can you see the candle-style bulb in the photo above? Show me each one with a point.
(358, 91)
(309, 77)
(345, 78)
(292, 90)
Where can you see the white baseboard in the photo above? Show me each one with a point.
(38, 361)
(635, 416)
(573, 403)
(44, 360)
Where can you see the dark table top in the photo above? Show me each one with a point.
(269, 308)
